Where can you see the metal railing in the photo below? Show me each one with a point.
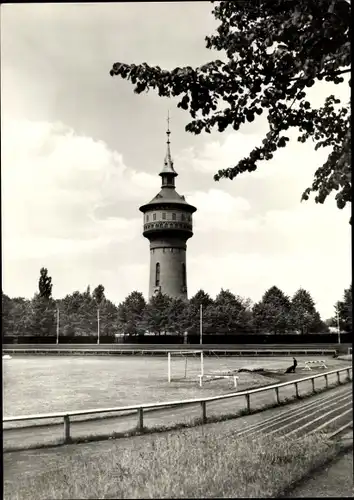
(168, 404)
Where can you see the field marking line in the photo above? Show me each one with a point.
(330, 421)
(338, 431)
(317, 409)
(315, 420)
(292, 412)
(302, 411)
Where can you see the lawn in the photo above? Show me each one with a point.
(193, 463)
(46, 384)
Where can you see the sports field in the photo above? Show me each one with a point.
(46, 384)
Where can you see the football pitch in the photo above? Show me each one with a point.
(47, 384)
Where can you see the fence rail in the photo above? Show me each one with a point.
(168, 404)
(153, 350)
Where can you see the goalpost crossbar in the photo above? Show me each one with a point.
(184, 353)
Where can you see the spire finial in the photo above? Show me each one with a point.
(168, 127)
(168, 155)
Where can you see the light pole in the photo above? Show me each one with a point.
(201, 325)
(338, 327)
(57, 325)
(98, 324)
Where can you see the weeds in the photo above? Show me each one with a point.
(184, 465)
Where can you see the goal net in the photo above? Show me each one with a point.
(185, 364)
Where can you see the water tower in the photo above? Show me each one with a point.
(168, 225)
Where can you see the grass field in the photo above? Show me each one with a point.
(37, 384)
(193, 463)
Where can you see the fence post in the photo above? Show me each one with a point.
(338, 377)
(204, 415)
(140, 419)
(277, 394)
(326, 379)
(248, 403)
(297, 389)
(313, 384)
(67, 437)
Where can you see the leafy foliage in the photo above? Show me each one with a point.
(41, 316)
(304, 316)
(98, 294)
(275, 50)
(344, 309)
(156, 319)
(201, 298)
(15, 315)
(178, 316)
(45, 284)
(131, 314)
(272, 313)
(229, 313)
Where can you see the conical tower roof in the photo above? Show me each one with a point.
(168, 162)
(168, 193)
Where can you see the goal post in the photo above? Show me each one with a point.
(184, 354)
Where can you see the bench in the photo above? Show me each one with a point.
(319, 362)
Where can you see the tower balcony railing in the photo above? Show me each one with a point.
(160, 225)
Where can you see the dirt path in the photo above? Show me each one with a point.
(335, 480)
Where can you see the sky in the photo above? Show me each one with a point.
(81, 152)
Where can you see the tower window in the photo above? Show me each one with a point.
(164, 216)
(173, 216)
(154, 216)
(157, 275)
(182, 217)
(147, 218)
(184, 280)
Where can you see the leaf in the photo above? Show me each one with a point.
(310, 44)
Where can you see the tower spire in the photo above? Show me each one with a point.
(168, 162)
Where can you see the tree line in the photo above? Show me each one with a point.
(228, 313)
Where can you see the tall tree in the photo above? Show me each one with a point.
(273, 52)
(178, 316)
(98, 294)
(45, 284)
(203, 299)
(272, 313)
(131, 314)
(78, 315)
(229, 313)
(19, 317)
(303, 314)
(156, 314)
(344, 309)
(6, 323)
(41, 318)
(108, 319)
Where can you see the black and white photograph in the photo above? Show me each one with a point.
(176, 249)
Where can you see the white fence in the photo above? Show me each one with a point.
(168, 404)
